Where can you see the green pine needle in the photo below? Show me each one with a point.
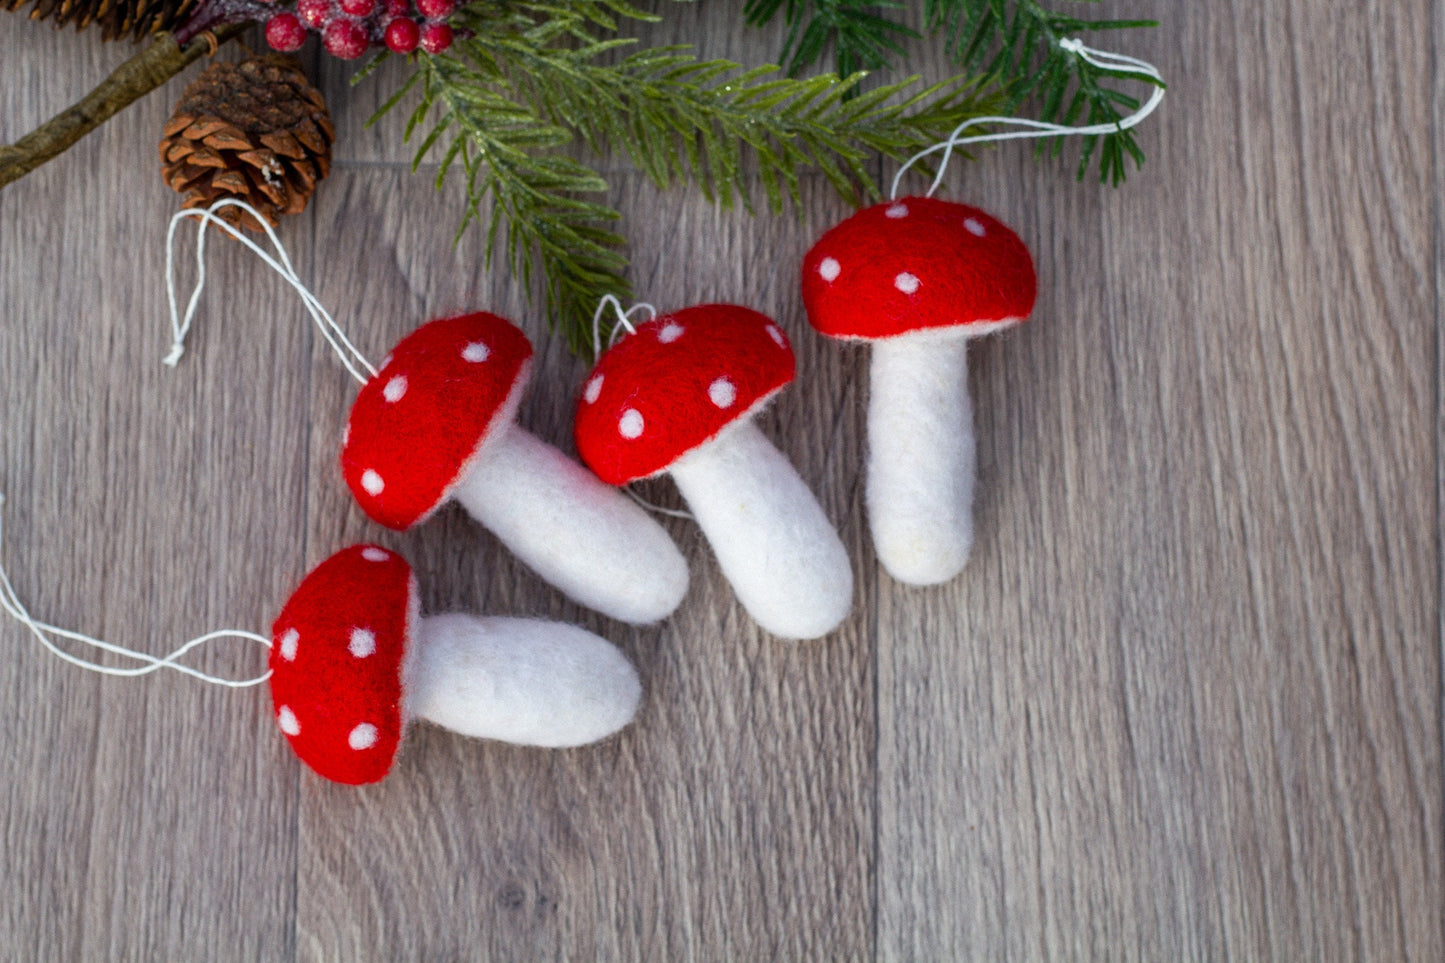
(1021, 47)
(1015, 41)
(533, 76)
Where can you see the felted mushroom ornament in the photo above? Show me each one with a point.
(438, 422)
(918, 278)
(353, 662)
(678, 396)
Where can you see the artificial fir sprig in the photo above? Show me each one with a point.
(527, 77)
(862, 38)
(1019, 42)
(539, 196)
(1015, 41)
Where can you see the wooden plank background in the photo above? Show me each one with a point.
(1185, 703)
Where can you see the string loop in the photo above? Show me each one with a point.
(335, 336)
(1115, 63)
(624, 320)
(46, 634)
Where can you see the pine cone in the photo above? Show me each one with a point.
(255, 130)
(117, 18)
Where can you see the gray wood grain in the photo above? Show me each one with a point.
(153, 818)
(1184, 703)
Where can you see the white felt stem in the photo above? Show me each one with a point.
(583, 536)
(520, 680)
(921, 457)
(769, 533)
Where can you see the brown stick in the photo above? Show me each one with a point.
(135, 78)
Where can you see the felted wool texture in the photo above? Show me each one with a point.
(574, 530)
(772, 540)
(921, 457)
(337, 655)
(417, 425)
(916, 263)
(521, 680)
(678, 381)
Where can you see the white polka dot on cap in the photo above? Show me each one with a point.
(476, 352)
(905, 282)
(829, 269)
(593, 391)
(288, 644)
(362, 737)
(395, 389)
(372, 482)
(722, 393)
(286, 719)
(363, 643)
(630, 424)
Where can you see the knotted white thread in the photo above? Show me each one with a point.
(1117, 63)
(350, 356)
(10, 603)
(624, 320)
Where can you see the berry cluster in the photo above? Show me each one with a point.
(349, 27)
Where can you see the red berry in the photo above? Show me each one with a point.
(358, 8)
(436, 9)
(285, 33)
(344, 39)
(402, 35)
(314, 13)
(397, 8)
(436, 37)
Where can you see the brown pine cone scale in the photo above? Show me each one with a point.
(255, 130)
(116, 18)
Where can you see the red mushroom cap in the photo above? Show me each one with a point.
(417, 427)
(916, 264)
(675, 384)
(337, 657)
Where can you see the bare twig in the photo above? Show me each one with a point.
(135, 78)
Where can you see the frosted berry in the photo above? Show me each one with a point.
(358, 8)
(402, 35)
(344, 39)
(285, 33)
(397, 8)
(314, 13)
(436, 9)
(436, 37)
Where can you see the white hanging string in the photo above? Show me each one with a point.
(624, 320)
(350, 356)
(654, 508)
(10, 603)
(1117, 63)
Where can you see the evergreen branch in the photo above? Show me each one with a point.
(525, 78)
(679, 118)
(1016, 41)
(538, 196)
(861, 38)
(1022, 48)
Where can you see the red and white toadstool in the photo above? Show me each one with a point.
(678, 396)
(353, 661)
(919, 277)
(437, 422)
